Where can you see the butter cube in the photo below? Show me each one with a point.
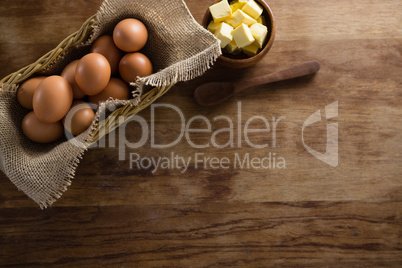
(220, 11)
(242, 36)
(213, 26)
(250, 50)
(253, 9)
(235, 5)
(232, 48)
(259, 33)
(239, 17)
(224, 33)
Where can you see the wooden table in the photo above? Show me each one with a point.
(302, 212)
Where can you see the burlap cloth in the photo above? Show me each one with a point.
(179, 48)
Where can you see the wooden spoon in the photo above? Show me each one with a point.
(210, 94)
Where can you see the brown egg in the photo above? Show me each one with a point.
(79, 118)
(133, 65)
(38, 131)
(104, 45)
(26, 91)
(130, 35)
(116, 89)
(69, 74)
(92, 73)
(52, 99)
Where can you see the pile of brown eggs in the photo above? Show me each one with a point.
(62, 102)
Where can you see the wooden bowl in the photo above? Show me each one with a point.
(242, 60)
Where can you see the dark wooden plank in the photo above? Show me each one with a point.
(332, 234)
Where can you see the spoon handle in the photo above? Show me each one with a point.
(306, 68)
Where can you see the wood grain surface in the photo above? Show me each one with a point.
(305, 214)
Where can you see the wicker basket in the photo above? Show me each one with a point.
(100, 128)
(25, 167)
